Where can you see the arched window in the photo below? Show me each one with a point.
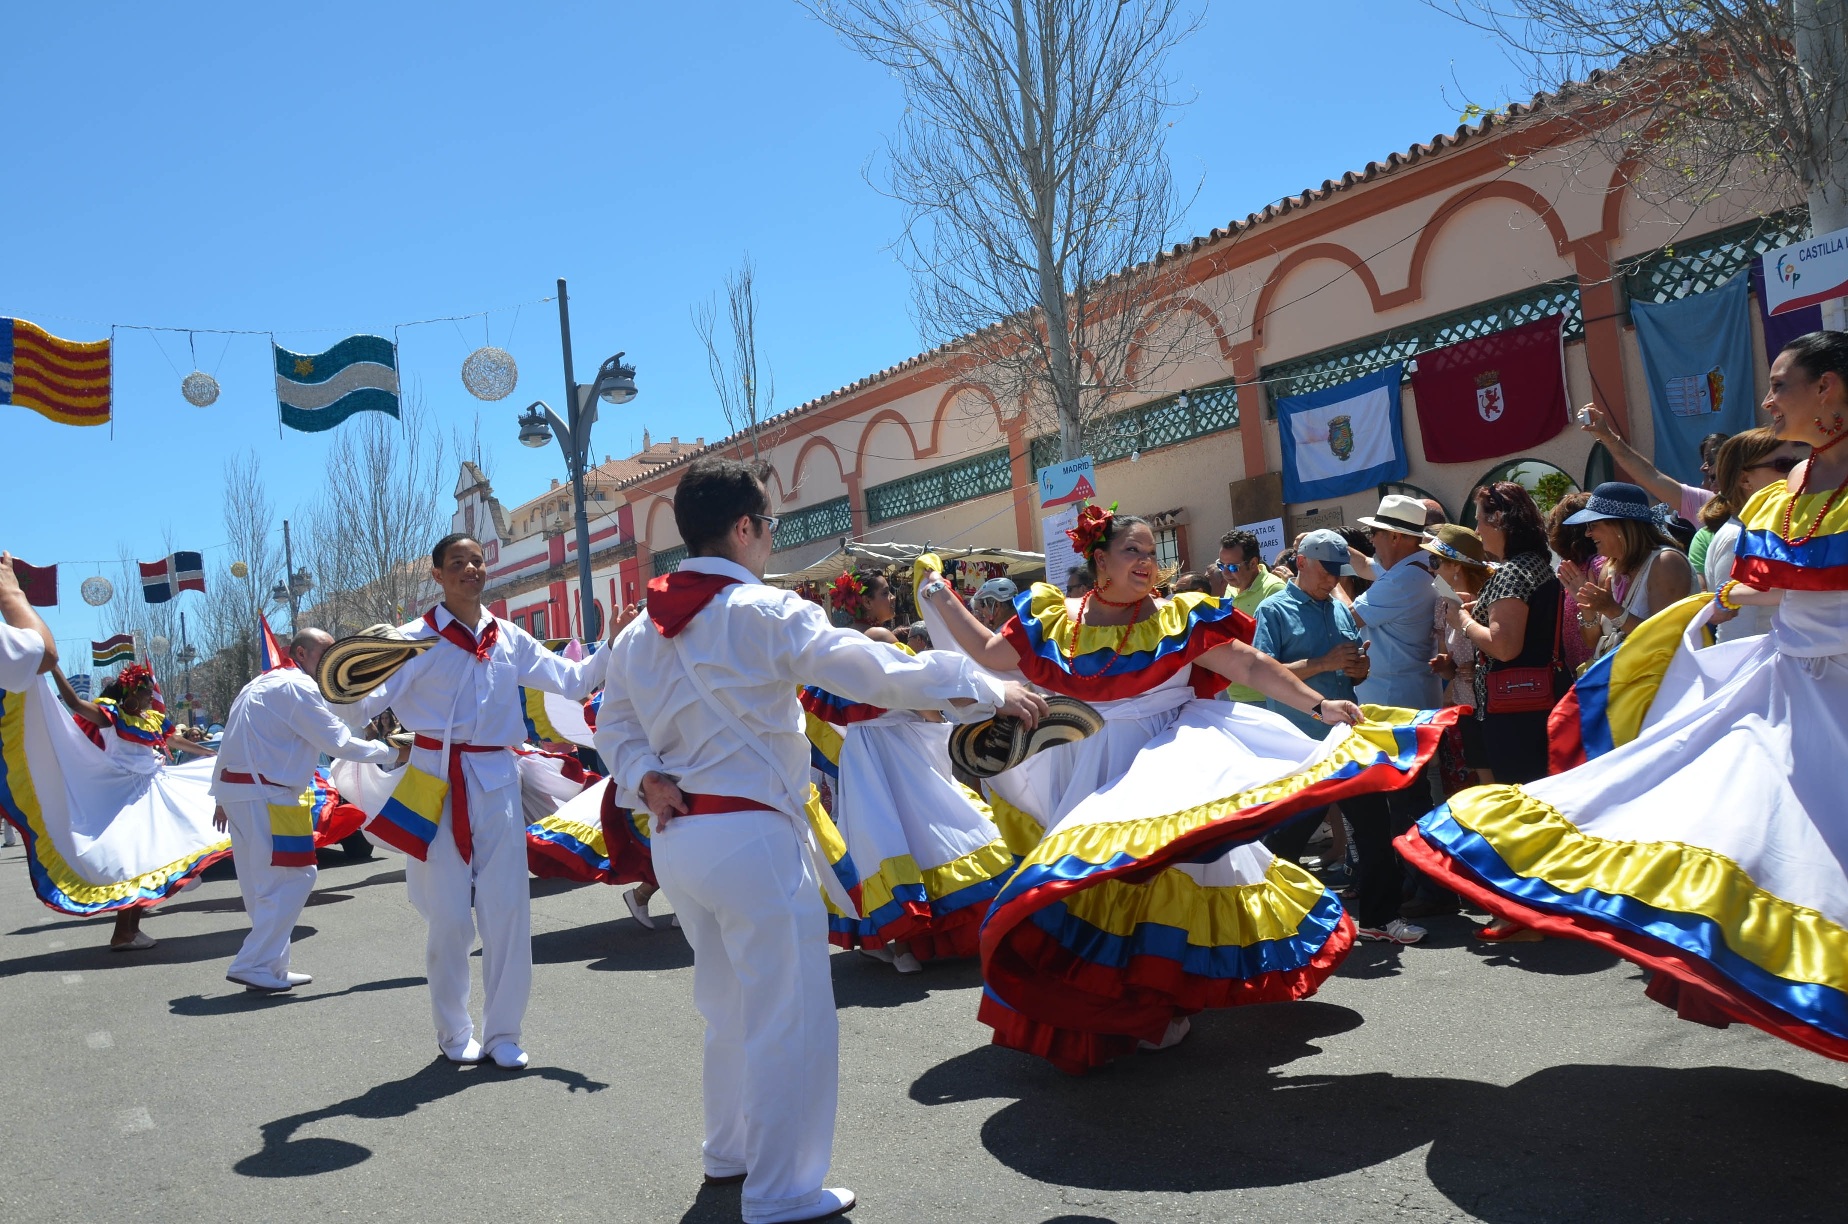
(1600, 468)
(1543, 480)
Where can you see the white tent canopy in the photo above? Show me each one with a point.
(854, 554)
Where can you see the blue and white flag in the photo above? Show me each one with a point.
(1343, 439)
(317, 391)
(1697, 355)
(163, 579)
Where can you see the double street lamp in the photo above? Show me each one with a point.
(614, 384)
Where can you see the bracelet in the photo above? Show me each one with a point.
(1315, 711)
(931, 588)
(1721, 596)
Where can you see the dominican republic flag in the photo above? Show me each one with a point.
(1496, 395)
(161, 580)
(317, 391)
(110, 651)
(1343, 439)
(273, 655)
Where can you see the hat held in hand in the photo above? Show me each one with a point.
(998, 744)
(354, 666)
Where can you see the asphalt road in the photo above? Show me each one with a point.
(1446, 1082)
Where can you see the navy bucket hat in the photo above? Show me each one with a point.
(1615, 500)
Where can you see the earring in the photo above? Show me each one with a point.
(1829, 431)
(1103, 583)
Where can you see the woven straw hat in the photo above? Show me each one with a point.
(998, 744)
(354, 666)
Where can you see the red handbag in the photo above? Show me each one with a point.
(1527, 690)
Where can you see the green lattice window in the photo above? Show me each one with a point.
(1333, 366)
(668, 560)
(1683, 269)
(817, 522)
(1162, 422)
(942, 486)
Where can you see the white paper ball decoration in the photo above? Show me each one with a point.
(490, 373)
(239, 570)
(97, 591)
(160, 644)
(200, 389)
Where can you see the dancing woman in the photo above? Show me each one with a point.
(1704, 838)
(923, 858)
(1147, 897)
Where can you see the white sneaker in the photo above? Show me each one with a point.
(300, 979)
(468, 1054)
(1397, 931)
(508, 1056)
(638, 909)
(260, 983)
(833, 1202)
(140, 943)
(879, 954)
(1177, 1031)
(905, 962)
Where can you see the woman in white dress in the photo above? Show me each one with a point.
(1706, 837)
(1144, 895)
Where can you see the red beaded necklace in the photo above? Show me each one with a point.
(1790, 508)
(1084, 606)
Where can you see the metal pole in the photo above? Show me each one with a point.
(187, 655)
(576, 447)
(288, 575)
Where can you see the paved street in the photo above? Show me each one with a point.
(1437, 1083)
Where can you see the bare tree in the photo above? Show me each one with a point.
(1702, 96)
(370, 534)
(229, 614)
(1038, 196)
(745, 396)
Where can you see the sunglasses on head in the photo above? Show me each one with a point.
(1782, 464)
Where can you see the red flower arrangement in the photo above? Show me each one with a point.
(1093, 525)
(848, 595)
(134, 677)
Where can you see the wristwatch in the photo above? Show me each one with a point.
(931, 587)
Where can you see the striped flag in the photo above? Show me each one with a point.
(272, 654)
(110, 651)
(65, 380)
(182, 571)
(317, 391)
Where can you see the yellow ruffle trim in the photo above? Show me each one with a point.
(1765, 511)
(1020, 831)
(1233, 915)
(1535, 840)
(976, 867)
(1049, 608)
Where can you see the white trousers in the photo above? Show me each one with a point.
(749, 903)
(489, 891)
(273, 896)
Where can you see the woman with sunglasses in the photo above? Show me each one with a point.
(1745, 464)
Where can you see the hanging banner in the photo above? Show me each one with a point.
(67, 381)
(1781, 329)
(317, 391)
(1500, 394)
(1697, 356)
(162, 580)
(39, 583)
(110, 651)
(1342, 439)
(1067, 483)
(1806, 273)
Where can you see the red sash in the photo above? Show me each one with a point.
(458, 787)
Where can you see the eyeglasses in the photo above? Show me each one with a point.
(769, 520)
(1782, 465)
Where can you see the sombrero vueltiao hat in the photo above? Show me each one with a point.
(1000, 743)
(354, 666)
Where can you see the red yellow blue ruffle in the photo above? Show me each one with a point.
(1083, 660)
(936, 910)
(1605, 707)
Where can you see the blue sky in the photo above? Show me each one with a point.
(338, 168)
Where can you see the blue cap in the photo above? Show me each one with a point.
(1328, 548)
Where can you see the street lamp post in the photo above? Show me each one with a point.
(184, 657)
(615, 384)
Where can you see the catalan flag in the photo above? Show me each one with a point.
(110, 651)
(66, 380)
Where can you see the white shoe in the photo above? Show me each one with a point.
(140, 943)
(508, 1056)
(833, 1203)
(879, 954)
(300, 979)
(261, 983)
(469, 1053)
(905, 962)
(1177, 1031)
(638, 909)
(1397, 931)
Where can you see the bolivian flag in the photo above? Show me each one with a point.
(66, 380)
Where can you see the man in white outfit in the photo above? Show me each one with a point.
(461, 699)
(26, 651)
(278, 726)
(700, 723)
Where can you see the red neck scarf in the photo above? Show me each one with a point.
(458, 634)
(676, 598)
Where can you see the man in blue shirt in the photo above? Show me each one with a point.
(1398, 609)
(1305, 628)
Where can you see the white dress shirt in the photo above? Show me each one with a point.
(753, 645)
(278, 727)
(21, 652)
(445, 693)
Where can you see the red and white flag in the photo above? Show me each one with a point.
(1493, 396)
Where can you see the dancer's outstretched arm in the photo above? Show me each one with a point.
(89, 711)
(975, 639)
(1241, 664)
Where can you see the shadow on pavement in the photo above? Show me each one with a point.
(235, 905)
(861, 981)
(620, 944)
(284, 1155)
(715, 1205)
(1581, 1143)
(241, 1001)
(1563, 957)
(551, 886)
(170, 950)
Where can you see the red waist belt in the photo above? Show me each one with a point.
(458, 787)
(714, 805)
(244, 779)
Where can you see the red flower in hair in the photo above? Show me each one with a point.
(135, 676)
(848, 595)
(1093, 525)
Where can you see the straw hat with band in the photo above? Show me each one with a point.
(354, 666)
(998, 744)
(1450, 542)
(1397, 512)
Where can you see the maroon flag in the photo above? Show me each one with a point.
(39, 582)
(1492, 397)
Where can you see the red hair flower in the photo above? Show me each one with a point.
(1093, 525)
(135, 676)
(848, 595)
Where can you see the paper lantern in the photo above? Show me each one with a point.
(97, 591)
(490, 373)
(200, 389)
(239, 570)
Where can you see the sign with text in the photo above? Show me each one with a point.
(1068, 483)
(1270, 537)
(1061, 557)
(1806, 273)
